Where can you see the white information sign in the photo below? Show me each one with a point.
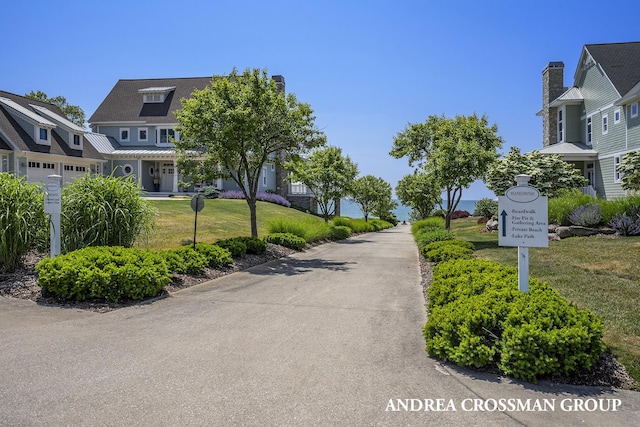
(523, 218)
(52, 197)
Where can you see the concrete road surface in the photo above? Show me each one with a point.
(328, 337)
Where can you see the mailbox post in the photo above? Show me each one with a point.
(523, 222)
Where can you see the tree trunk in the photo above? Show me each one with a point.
(254, 220)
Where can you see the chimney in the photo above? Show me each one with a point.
(279, 82)
(552, 88)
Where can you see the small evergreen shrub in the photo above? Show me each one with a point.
(425, 236)
(588, 215)
(339, 232)
(209, 192)
(236, 247)
(185, 260)
(254, 246)
(444, 250)
(215, 255)
(477, 317)
(287, 240)
(486, 208)
(104, 273)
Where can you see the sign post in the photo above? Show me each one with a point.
(197, 204)
(53, 206)
(524, 217)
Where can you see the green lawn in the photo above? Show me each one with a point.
(220, 219)
(599, 273)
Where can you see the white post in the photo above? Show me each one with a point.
(53, 206)
(523, 251)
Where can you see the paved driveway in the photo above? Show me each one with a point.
(331, 336)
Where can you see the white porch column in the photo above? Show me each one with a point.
(175, 177)
(139, 174)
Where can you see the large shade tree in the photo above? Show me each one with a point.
(420, 192)
(328, 174)
(454, 152)
(233, 127)
(549, 173)
(73, 113)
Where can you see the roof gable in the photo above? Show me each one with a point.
(619, 61)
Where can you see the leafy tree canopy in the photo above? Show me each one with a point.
(372, 195)
(454, 152)
(327, 173)
(420, 192)
(630, 169)
(235, 125)
(549, 173)
(73, 113)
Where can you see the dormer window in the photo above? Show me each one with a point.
(152, 95)
(44, 134)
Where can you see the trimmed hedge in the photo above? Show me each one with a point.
(477, 317)
(425, 236)
(287, 240)
(185, 260)
(444, 250)
(109, 273)
(236, 247)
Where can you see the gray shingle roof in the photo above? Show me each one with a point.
(24, 142)
(620, 61)
(125, 104)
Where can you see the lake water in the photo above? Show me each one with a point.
(351, 209)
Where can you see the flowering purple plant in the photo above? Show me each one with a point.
(586, 215)
(264, 197)
(627, 225)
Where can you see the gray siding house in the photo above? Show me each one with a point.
(37, 140)
(133, 129)
(594, 122)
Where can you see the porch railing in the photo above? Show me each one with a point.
(588, 189)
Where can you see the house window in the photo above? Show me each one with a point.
(143, 134)
(127, 169)
(273, 167)
(264, 176)
(605, 124)
(590, 174)
(588, 130)
(68, 168)
(44, 134)
(634, 110)
(616, 116)
(156, 97)
(81, 168)
(560, 127)
(34, 165)
(617, 175)
(124, 134)
(76, 139)
(166, 135)
(4, 166)
(48, 166)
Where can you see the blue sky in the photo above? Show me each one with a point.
(367, 68)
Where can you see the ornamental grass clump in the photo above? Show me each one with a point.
(103, 211)
(23, 223)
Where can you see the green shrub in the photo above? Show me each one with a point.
(561, 207)
(215, 255)
(486, 208)
(209, 192)
(236, 247)
(445, 250)
(105, 273)
(339, 232)
(103, 211)
(287, 240)
(23, 223)
(424, 236)
(434, 222)
(185, 260)
(254, 246)
(477, 317)
(381, 224)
